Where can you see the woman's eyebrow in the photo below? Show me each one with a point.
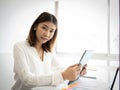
(48, 27)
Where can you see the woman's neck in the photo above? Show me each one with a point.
(38, 46)
(40, 50)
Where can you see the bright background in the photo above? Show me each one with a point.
(83, 24)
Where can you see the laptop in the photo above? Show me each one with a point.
(115, 80)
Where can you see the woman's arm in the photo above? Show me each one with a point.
(55, 64)
(23, 72)
(69, 73)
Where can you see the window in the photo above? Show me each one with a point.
(83, 24)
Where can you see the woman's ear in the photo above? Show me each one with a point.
(35, 29)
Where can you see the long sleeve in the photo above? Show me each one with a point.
(57, 69)
(55, 64)
(22, 70)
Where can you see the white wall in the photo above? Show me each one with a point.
(6, 71)
(16, 17)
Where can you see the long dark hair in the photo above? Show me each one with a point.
(43, 17)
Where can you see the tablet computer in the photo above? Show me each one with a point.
(85, 57)
(84, 60)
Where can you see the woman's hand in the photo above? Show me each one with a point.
(83, 71)
(72, 72)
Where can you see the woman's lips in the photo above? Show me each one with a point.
(44, 38)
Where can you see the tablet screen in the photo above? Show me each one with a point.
(85, 57)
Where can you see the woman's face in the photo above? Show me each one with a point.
(45, 31)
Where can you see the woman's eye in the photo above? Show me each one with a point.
(44, 28)
(52, 31)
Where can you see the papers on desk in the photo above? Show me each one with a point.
(92, 74)
(71, 87)
(91, 84)
(86, 84)
(91, 81)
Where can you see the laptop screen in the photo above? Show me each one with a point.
(115, 83)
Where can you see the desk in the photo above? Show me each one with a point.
(101, 82)
(88, 84)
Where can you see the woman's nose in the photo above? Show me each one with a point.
(47, 33)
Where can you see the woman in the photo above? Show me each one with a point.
(35, 64)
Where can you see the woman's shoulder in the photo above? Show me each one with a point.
(21, 44)
(51, 54)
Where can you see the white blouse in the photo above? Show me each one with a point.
(31, 72)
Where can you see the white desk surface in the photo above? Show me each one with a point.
(101, 82)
